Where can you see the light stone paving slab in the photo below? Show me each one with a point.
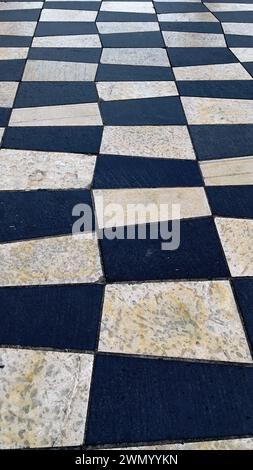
(44, 398)
(186, 17)
(245, 29)
(7, 53)
(30, 170)
(236, 237)
(119, 207)
(128, 7)
(233, 71)
(124, 27)
(67, 15)
(7, 93)
(243, 54)
(217, 110)
(155, 57)
(229, 6)
(55, 260)
(18, 28)
(174, 319)
(86, 40)
(4, 6)
(182, 39)
(46, 71)
(109, 91)
(230, 171)
(83, 114)
(148, 141)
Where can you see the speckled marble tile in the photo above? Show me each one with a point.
(154, 57)
(46, 71)
(85, 40)
(44, 398)
(243, 54)
(217, 111)
(21, 28)
(28, 170)
(83, 114)
(184, 319)
(229, 444)
(55, 260)
(7, 93)
(109, 91)
(185, 17)
(4, 6)
(148, 141)
(230, 171)
(236, 238)
(124, 27)
(128, 7)
(244, 29)
(182, 39)
(7, 53)
(212, 72)
(192, 201)
(67, 15)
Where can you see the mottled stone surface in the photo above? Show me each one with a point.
(7, 53)
(217, 111)
(44, 398)
(230, 171)
(243, 54)
(156, 205)
(182, 39)
(55, 260)
(7, 93)
(183, 319)
(186, 17)
(109, 91)
(148, 141)
(133, 7)
(28, 170)
(154, 57)
(236, 236)
(44, 70)
(88, 40)
(67, 15)
(134, 27)
(212, 72)
(19, 28)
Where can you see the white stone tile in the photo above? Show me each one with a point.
(230, 171)
(140, 206)
(7, 93)
(18, 28)
(243, 54)
(46, 71)
(217, 110)
(182, 39)
(128, 7)
(109, 91)
(148, 141)
(13, 53)
(83, 114)
(245, 29)
(30, 170)
(67, 15)
(233, 71)
(186, 17)
(85, 40)
(236, 237)
(124, 27)
(20, 5)
(135, 56)
(229, 6)
(44, 398)
(190, 319)
(55, 260)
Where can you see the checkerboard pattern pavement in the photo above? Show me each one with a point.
(118, 343)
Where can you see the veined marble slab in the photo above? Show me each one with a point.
(233, 71)
(186, 17)
(182, 39)
(85, 40)
(46, 71)
(128, 7)
(148, 141)
(7, 93)
(30, 170)
(217, 110)
(67, 15)
(13, 53)
(15, 28)
(124, 27)
(230, 171)
(155, 57)
(109, 91)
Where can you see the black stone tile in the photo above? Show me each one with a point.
(109, 73)
(125, 17)
(235, 16)
(235, 40)
(183, 56)
(192, 27)
(66, 54)
(15, 41)
(20, 15)
(11, 70)
(4, 116)
(237, 89)
(146, 39)
(93, 6)
(54, 28)
(179, 7)
(231, 201)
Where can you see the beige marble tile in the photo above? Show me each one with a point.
(226, 444)
(236, 237)
(148, 141)
(18, 28)
(185, 17)
(217, 111)
(245, 29)
(20, 5)
(243, 54)
(230, 171)
(155, 57)
(174, 319)
(44, 398)
(109, 91)
(124, 27)
(7, 93)
(128, 7)
(29, 170)
(233, 71)
(85, 40)
(55, 260)
(67, 15)
(46, 71)
(13, 53)
(182, 39)
(83, 114)
(138, 206)
(229, 6)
